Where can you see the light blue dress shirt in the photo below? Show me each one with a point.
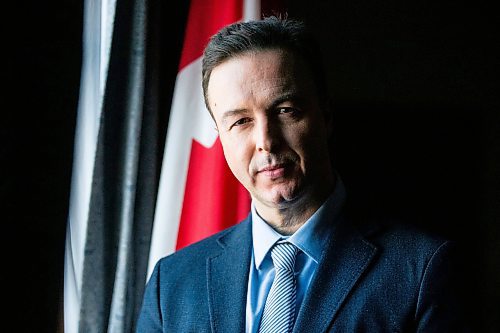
(310, 238)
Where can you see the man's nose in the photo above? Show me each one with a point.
(267, 135)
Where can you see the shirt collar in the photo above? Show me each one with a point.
(263, 237)
(310, 238)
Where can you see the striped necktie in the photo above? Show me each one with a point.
(279, 310)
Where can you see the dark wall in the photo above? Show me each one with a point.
(416, 132)
(40, 74)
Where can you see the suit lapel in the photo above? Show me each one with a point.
(227, 278)
(342, 263)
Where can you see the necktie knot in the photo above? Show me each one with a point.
(284, 255)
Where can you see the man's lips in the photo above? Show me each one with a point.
(273, 171)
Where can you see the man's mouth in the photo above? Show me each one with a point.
(273, 171)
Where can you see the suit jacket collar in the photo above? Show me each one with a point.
(227, 279)
(343, 262)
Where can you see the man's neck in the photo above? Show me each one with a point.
(287, 220)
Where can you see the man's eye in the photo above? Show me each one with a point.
(287, 110)
(240, 122)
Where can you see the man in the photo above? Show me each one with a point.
(298, 262)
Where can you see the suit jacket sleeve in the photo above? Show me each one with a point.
(150, 318)
(440, 306)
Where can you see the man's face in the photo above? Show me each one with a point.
(271, 126)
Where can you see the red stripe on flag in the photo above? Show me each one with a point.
(205, 18)
(214, 199)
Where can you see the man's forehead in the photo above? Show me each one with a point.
(269, 68)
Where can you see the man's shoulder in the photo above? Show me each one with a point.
(409, 252)
(201, 250)
(407, 233)
(403, 238)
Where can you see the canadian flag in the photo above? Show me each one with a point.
(198, 195)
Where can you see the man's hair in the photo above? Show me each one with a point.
(269, 33)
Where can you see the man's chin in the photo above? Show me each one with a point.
(283, 199)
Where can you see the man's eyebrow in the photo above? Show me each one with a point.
(232, 113)
(286, 97)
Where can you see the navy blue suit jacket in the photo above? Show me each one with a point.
(382, 279)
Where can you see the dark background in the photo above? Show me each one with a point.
(416, 132)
